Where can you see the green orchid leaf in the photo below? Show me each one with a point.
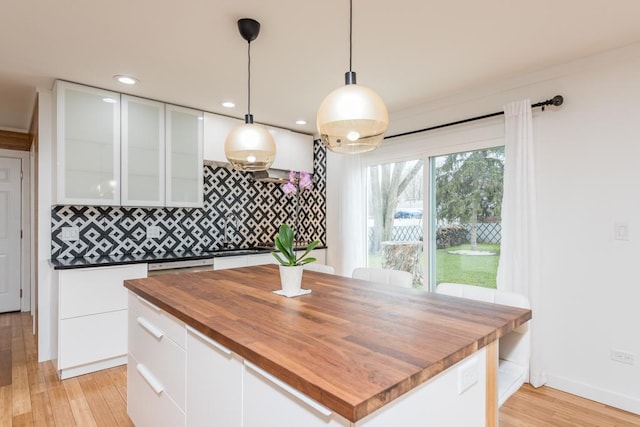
(311, 246)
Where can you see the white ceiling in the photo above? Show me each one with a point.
(190, 52)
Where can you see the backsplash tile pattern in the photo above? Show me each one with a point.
(259, 206)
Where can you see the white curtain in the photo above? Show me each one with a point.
(351, 228)
(519, 257)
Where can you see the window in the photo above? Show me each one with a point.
(395, 217)
(466, 199)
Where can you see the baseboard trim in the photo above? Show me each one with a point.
(606, 397)
(92, 367)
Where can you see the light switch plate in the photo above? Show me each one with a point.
(69, 234)
(621, 231)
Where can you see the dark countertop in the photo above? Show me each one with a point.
(351, 345)
(110, 260)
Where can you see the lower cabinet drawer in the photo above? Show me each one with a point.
(90, 339)
(149, 344)
(268, 402)
(148, 403)
(168, 325)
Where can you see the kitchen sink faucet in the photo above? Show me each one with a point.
(227, 220)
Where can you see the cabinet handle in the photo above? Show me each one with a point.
(286, 387)
(209, 341)
(145, 302)
(149, 327)
(150, 378)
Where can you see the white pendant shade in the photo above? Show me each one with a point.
(250, 148)
(352, 119)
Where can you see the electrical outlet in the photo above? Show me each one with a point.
(70, 234)
(622, 357)
(468, 373)
(153, 232)
(621, 231)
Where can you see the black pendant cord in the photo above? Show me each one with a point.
(249, 79)
(555, 101)
(350, 35)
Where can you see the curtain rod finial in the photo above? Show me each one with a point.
(557, 100)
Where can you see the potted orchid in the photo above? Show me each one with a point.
(297, 184)
(302, 181)
(290, 263)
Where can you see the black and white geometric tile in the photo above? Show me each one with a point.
(260, 208)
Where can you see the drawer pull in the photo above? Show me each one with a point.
(286, 387)
(145, 302)
(209, 341)
(149, 327)
(149, 378)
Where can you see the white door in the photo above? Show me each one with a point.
(10, 259)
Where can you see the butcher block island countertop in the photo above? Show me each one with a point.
(351, 345)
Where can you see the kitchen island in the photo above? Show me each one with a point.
(350, 353)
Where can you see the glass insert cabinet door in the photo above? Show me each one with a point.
(143, 152)
(87, 146)
(184, 174)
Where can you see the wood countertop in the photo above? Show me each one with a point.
(351, 345)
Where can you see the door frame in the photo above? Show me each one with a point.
(25, 225)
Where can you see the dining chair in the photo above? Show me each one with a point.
(514, 349)
(403, 279)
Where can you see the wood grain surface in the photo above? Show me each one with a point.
(351, 345)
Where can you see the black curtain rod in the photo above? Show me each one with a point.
(556, 101)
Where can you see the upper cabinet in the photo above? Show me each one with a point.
(294, 151)
(114, 149)
(216, 129)
(88, 145)
(184, 174)
(143, 152)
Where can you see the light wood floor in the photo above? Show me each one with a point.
(32, 395)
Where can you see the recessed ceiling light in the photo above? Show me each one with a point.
(228, 104)
(126, 79)
(301, 122)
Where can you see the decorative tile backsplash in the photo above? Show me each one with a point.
(260, 208)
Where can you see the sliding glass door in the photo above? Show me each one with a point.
(465, 233)
(394, 217)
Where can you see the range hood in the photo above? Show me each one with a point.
(272, 175)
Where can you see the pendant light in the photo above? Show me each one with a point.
(249, 147)
(352, 118)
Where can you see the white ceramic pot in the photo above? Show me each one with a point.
(291, 279)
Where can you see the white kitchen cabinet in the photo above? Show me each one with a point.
(157, 362)
(214, 383)
(143, 152)
(92, 313)
(261, 259)
(184, 174)
(270, 402)
(294, 151)
(216, 129)
(222, 263)
(87, 149)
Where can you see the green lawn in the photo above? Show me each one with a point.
(469, 269)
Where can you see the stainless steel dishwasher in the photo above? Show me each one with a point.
(179, 266)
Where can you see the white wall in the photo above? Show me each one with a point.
(46, 310)
(588, 168)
